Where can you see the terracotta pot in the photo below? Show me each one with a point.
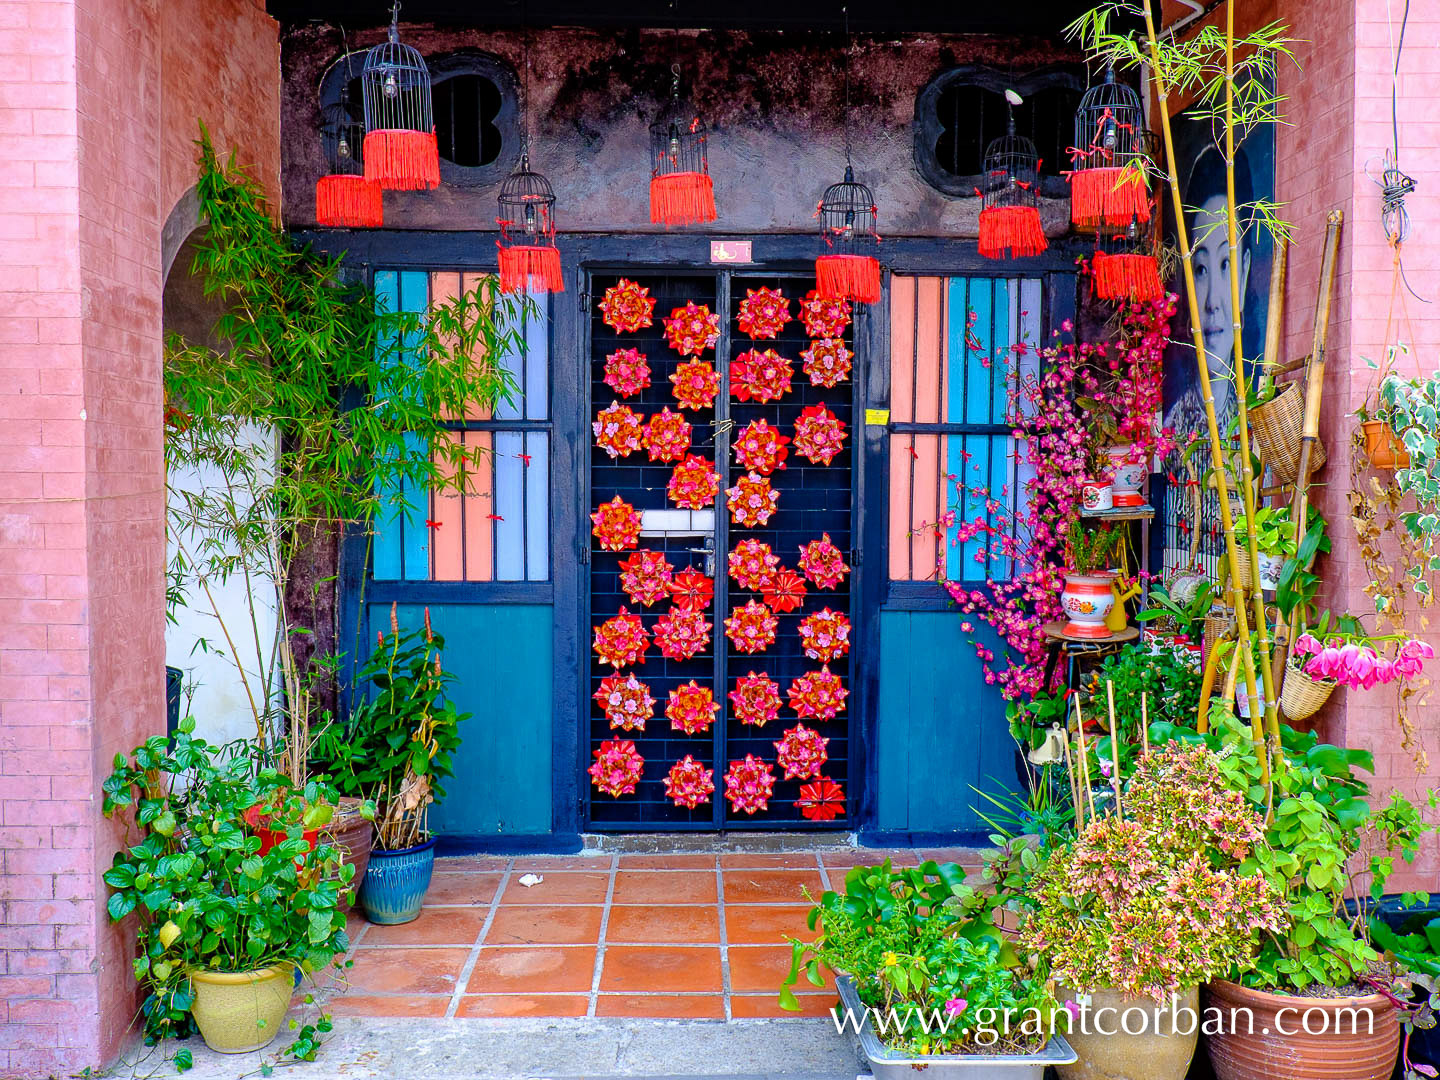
(1087, 600)
(1383, 449)
(1357, 1038)
(241, 1011)
(1161, 1049)
(354, 836)
(1097, 495)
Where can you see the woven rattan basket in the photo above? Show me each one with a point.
(1301, 695)
(1218, 625)
(1277, 426)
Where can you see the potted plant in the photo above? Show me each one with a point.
(1274, 542)
(395, 750)
(1147, 904)
(222, 924)
(1412, 409)
(1129, 468)
(1381, 441)
(1089, 594)
(928, 980)
(1184, 607)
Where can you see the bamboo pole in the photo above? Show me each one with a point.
(1114, 747)
(1074, 787)
(1086, 791)
(1274, 327)
(1144, 727)
(1207, 690)
(1217, 457)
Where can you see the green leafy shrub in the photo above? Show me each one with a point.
(1412, 409)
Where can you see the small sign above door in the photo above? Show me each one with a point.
(730, 251)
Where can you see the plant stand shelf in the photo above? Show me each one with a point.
(1059, 643)
(1120, 513)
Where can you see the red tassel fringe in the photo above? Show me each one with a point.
(349, 202)
(1127, 277)
(1108, 196)
(1014, 227)
(682, 199)
(848, 277)
(530, 269)
(402, 160)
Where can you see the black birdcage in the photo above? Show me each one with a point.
(1124, 267)
(681, 191)
(401, 152)
(1010, 200)
(1108, 188)
(343, 197)
(529, 259)
(849, 268)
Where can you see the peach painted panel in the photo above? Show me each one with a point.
(444, 287)
(929, 323)
(900, 462)
(447, 536)
(480, 508)
(925, 511)
(902, 348)
(485, 283)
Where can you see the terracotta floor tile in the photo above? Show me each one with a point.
(565, 924)
(557, 888)
(757, 925)
(771, 886)
(969, 857)
(429, 1005)
(849, 857)
(658, 969)
(645, 925)
(473, 1005)
(466, 888)
(664, 887)
(451, 863)
(760, 861)
(542, 863)
(669, 1006)
(542, 969)
(435, 926)
(354, 923)
(743, 1006)
(764, 967)
(407, 971)
(667, 862)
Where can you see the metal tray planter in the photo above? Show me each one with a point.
(889, 1064)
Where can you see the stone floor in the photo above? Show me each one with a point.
(681, 936)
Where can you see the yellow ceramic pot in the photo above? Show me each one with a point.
(1118, 1037)
(240, 1011)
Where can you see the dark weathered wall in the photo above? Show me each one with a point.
(774, 102)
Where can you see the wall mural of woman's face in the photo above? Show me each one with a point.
(1211, 259)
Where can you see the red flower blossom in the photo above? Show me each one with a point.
(645, 577)
(681, 634)
(692, 590)
(801, 752)
(689, 783)
(827, 361)
(617, 525)
(692, 329)
(749, 785)
(626, 701)
(760, 376)
(627, 307)
(752, 500)
(667, 436)
(819, 695)
(617, 430)
(825, 635)
(694, 483)
(787, 592)
(621, 640)
(751, 628)
(819, 434)
(761, 448)
(823, 563)
(752, 565)
(824, 800)
(824, 318)
(755, 699)
(696, 384)
(617, 767)
(764, 312)
(627, 372)
(691, 708)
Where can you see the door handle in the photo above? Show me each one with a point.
(709, 552)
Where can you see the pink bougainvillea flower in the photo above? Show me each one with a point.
(824, 318)
(627, 307)
(694, 483)
(692, 590)
(825, 635)
(955, 1006)
(696, 384)
(753, 564)
(823, 563)
(627, 372)
(626, 701)
(691, 708)
(681, 634)
(760, 376)
(616, 525)
(667, 436)
(819, 695)
(617, 430)
(692, 329)
(749, 785)
(645, 577)
(827, 362)
(819, 434)
(786, 592)
(801, 753)
(751, 628)
(621, 640)
(763, 313)
(617, 767)
(752, 500)
(824, 800)
(761, 448)
(689, 783)
(755, 699)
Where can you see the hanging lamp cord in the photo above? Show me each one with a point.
(1395, 186)
(845, 19)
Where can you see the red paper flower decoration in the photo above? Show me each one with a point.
(819, 434)
(764, 312)
(761, 448)
(681, 634)
(617, 767)
(691, 590)
(801, 753)
(824, 800)
(755, 699)
(617, 525)
(628, 307)
(621, 640)
(825, 636)
(752, 501)
(667, 436)
(752, 628)
(827, 361)
(823, 563)
(645, 577)
(752, 565)
(696, 384)
(692, 329)
(689, 783)
(760, 376)
(627, 371)
(691, 708)
(824, 318)
(749, 785)
(820, 695)
(626, 701)
(786, 592)
(694, 483)
(618, 430)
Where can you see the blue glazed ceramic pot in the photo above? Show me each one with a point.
(396, 882)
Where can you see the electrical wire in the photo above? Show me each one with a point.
(1394, 184)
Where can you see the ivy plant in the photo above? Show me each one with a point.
(1412, 409)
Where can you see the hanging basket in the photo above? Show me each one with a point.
(1278, 426)
(1382, 448)
(1302, 695)
(1128, 276)
(1110, 196)
(848, 277)
(682, 199)
(530, 269)
(1011, 231)
(399, 159)
(349, 202)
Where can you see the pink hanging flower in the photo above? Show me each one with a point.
(823, 563)
(681, 634)
(627, 307)
(616, 525)
(617, 430)
(824, 318)
(692, 329)
(691, 708)
(621, 640)
(763, 313)
(626, 701)
(696, 384)
(825, 636)
(761, 448)
(667, 436)
(819, 695)
(827, 362)
(751, 628)
(689, 783)
(819, 434)
(1306, 644)
(645, 577)
(786, 592)
(694, 483)
(760, 376)
(617, 767)
(801, 753)
(749, 784)
(752, 565)
(691, 590)
(627, 372)
(755, 699)
(752, 501)
(824, 800)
